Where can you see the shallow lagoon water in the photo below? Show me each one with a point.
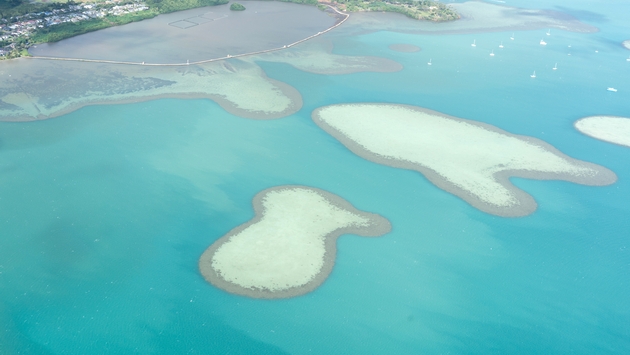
(107, 209)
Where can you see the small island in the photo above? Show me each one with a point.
(290, 246)
(237, 7)
(469, 159)
(612, 129)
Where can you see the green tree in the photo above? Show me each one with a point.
(237, 7)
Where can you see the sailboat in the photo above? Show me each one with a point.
(549, 32)
(429, 63)
(555, 67)
(501, 45)
(542, 42)
(533, 75)
(512, 38)
(492, 53)
(474, 44)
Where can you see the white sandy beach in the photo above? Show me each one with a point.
(469, 157)
(607, 128)
(289, 248)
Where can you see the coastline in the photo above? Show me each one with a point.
(476, 17)
(378, 226)
(526, 203)
(340, 19)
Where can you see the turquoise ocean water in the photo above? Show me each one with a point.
(105, 211)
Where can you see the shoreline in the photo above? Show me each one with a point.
(229, 56)
(526, 203)
(378, 226)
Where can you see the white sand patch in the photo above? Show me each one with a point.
(289, 245)
(466, 158)
(626, 44)
(607, 128)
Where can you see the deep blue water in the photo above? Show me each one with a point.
(105, 211)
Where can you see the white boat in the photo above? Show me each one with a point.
(501, 45)
(533, 75)
(429, 63)
(543, 43)
(555, 67)
(492, 53)
(474, 44)
(512, 38)
(612, 89)
(549, 32)
(596, 51)
(628, 59)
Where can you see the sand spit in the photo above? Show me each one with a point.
(477, 16)
(469, 159)
(289, 247)
(404, 48)
(626, 44)
(610, 129)
(240, 87)
(316, 57)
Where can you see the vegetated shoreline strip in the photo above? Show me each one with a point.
(229, 56)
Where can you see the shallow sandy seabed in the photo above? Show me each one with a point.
(626, 44)
(289, 248)
(43, 89)
(477, 16)
(469, 159)
(316, 56)
(404, 48)
(40, 89)
(610, 129)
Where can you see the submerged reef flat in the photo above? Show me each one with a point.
(32, 90)
(405, 48)
(610, 129)
(476, 16)
(316, 57)
(289, 248)
(469, 159)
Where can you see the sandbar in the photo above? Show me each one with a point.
(612, 129)
(316, 57)
(469, 159)
(626, 44)
(404, 48)
(289, 248)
